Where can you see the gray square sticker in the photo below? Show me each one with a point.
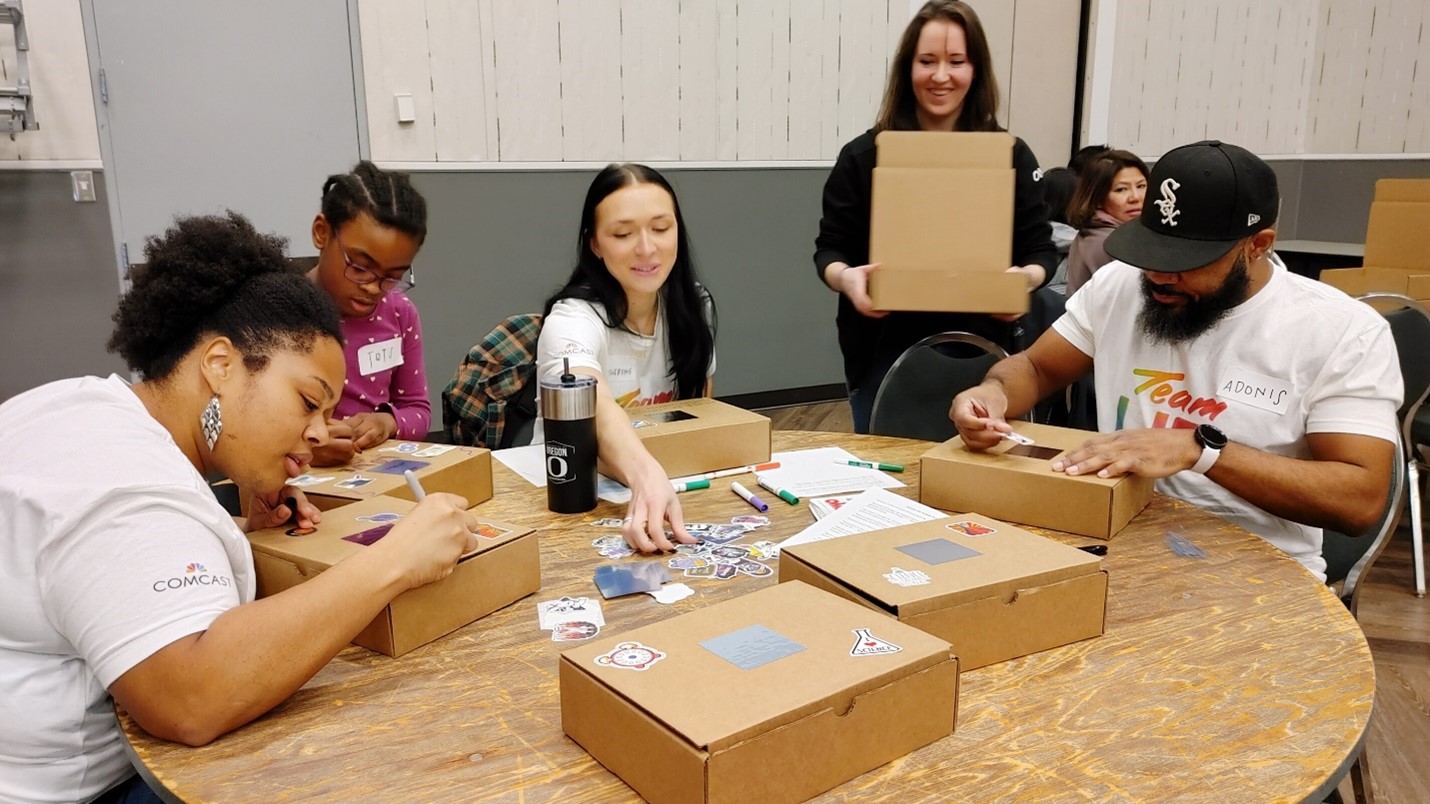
(937, 551)
(751, 647)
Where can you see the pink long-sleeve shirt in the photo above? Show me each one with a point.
(399, 389)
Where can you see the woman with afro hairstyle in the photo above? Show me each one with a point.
(121, 576)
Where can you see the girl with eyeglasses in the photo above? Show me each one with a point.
(370, 228)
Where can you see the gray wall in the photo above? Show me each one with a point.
(58, 281)
(499, 242)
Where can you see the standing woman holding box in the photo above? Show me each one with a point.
(633, 316)
(122, 579)
(941, 80)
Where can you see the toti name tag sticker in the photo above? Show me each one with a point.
(380, 356)
(1257, 390)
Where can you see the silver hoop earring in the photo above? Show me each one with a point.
(211, 420)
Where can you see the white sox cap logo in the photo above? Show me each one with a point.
(1167, 204)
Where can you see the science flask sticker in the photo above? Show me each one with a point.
(866, 644)
(630, 656)
(904, 577)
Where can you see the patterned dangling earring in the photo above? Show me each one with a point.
(212, 422)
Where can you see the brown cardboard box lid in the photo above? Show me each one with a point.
(1412, 190)
(691, 689)
(975, 223)
(1399, 217)
(1003, 455)
(1358, 281)
(393, 484)
(1007, 559)
(327, 546)
(945, 149)
(688, 415)
(940, 291)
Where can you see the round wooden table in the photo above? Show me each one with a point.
(1237, 676)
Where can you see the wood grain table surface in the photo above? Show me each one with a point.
(1234, 677)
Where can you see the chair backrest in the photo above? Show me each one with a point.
(914, 399)
(491, 402)
(1348, 558)
(1410, 327)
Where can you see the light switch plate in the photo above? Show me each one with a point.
(406, 109)
(82, 182)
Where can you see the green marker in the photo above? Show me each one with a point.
(691, 485)
(886, 467)
(787, 496)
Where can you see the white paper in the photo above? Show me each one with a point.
(875, 509)
(530, 462)
(815, 473)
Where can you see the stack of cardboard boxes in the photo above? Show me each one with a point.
(1397, 259)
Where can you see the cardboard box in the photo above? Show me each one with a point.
(680, 722)
(941, 223)
(1015, 487)
(378, 472)
(993, 591)
(1396, 260)
(505, 567)
(691, 436)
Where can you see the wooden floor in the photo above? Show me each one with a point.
(1396, 623)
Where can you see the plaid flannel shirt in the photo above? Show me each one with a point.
(495, 370)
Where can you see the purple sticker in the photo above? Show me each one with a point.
(369, 536)
(397, 466)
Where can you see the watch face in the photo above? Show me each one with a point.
(1209, 436)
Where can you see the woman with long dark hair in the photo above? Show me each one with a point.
(1110, 192)
(633, 316)
(941, 79)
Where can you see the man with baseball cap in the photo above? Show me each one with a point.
(1262, 396)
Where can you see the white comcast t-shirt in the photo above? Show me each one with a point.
(1298, 357)
(111, 547)
(636, 368)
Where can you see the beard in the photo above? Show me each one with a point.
(1167, 324)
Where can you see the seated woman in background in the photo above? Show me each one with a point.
(633, 316)
(370, 228)
(120, 573)
(1059, 184)
(1109, 193)
(941, 79)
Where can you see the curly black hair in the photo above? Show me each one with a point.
(387, 196)
(217, 275)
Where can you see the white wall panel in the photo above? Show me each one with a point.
(60, 80)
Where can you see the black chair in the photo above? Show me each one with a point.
(1410, 326)
(1347, 560)
(1348, 557)
(914, 399)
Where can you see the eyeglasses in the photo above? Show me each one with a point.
(360, 275)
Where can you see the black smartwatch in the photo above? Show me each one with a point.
(1212, 441)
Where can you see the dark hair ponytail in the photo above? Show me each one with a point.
(387, 196)
(217, 275)
(689, 309)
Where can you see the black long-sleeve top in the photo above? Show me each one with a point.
(844, 237)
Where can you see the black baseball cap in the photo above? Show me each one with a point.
(1202, 199)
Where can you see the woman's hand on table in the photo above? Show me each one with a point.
(371, 429)
(653, 503)
(426, 543)
(272, 510)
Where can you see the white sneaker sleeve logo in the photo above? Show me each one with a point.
(1167, 204)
